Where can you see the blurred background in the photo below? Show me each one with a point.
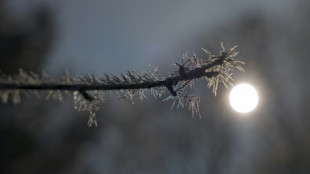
(273, 39)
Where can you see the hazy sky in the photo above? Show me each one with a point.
(116, 36)
(120, 35)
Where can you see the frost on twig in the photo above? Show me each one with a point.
(92, 106)
(88, 90)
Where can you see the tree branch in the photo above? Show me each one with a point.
(88, 90)
(168, 82)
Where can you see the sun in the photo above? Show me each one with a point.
(243, 98)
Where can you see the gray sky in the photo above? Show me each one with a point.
(116, 36)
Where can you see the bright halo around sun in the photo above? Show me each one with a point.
(243, 98)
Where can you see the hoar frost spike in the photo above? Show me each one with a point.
(88, 90)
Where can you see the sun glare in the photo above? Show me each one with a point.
(243, 98)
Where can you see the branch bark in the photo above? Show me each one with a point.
(168, 82)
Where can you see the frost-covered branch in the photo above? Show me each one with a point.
(120, 85)
(88, 89)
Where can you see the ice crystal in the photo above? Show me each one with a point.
(88, 89)
(92, 106)
(182, 99)
(225, 68)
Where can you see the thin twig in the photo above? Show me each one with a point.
(168, 82)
